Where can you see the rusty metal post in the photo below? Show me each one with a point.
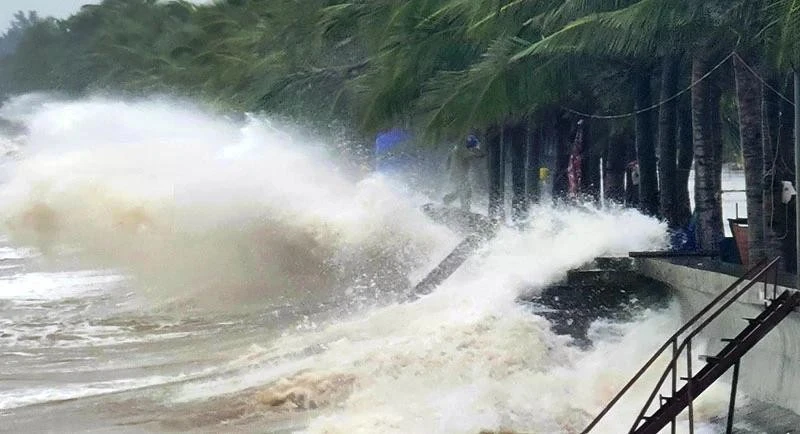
(674, 378)
(732, 404)
(689, 384)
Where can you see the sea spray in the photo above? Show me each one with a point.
(206, 209)
(203, 209)
(468, 357)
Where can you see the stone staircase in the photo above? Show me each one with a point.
(607, 287)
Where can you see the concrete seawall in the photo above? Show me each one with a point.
(770, 372)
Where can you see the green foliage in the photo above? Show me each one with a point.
(445, 66)
(785, 26)
(12, 37)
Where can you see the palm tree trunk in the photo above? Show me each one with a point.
(519, 200)
(787, 170)
(631, 190)
(533, 165)
(748, 95)
(560, 137)
(683, 211)
(715, 125)
(786, 138)
(796, 76)
(704, 184)
(614, 170)
(774, 215)
(667, 135)
(645, 144)
(497, 177)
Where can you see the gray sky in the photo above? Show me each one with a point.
(55, 8)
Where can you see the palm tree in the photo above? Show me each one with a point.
(631, 34)
(667, 139)
(705, 191)
(748, 92)
(783, 30)
(749, 100)
(683, 206)
(456, 75)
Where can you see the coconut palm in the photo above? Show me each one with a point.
(447, 67)
(783, 30)
(630, 35)
(638, 31)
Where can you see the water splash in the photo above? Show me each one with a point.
(468, 357)
(208, 209)
(205, 209)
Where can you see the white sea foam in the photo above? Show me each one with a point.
(469, 357)
(16, 398)
(38, 287)
(202, 208)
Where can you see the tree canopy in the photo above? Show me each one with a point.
(444, 66)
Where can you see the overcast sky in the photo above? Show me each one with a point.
(53, 8)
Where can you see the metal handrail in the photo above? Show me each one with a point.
(686, 343)
(753, 274)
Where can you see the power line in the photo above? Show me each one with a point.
(660, 103)
(764, 82)
(677, 95)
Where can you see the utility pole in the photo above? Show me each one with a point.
(797, 171)
(497, 175)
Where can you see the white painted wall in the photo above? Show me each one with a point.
(770, 372)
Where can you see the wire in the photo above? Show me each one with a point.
(660, 103)
(764, 82)
(786, 219)
(691, 86)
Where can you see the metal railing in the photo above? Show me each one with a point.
(678, 344)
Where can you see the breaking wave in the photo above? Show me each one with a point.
(222, 213)
(208, 209)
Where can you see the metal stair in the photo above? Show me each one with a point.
(719, 364)
(777, 307)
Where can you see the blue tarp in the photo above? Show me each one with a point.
(683, 239)
(389, 140)
(391, 154)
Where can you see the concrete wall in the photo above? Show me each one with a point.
(770, 372)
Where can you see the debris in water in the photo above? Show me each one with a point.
(309, 390)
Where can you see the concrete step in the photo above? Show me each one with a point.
(600, 277)
(619, 263)
(583, 298)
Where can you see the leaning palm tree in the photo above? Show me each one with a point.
(638, 31)
(607, 31)
(494, 93)
(783, 33)
(751, 63)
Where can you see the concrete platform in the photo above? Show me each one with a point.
(771, 370)
(606, 288)
(617, 287)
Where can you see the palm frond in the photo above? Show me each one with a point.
(786, 15)
(644, 28)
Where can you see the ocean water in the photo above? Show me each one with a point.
(165, 269)
(734, 199)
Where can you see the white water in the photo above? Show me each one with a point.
(469, 358)
(194, 209)
(197, 205)
(734, 200)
